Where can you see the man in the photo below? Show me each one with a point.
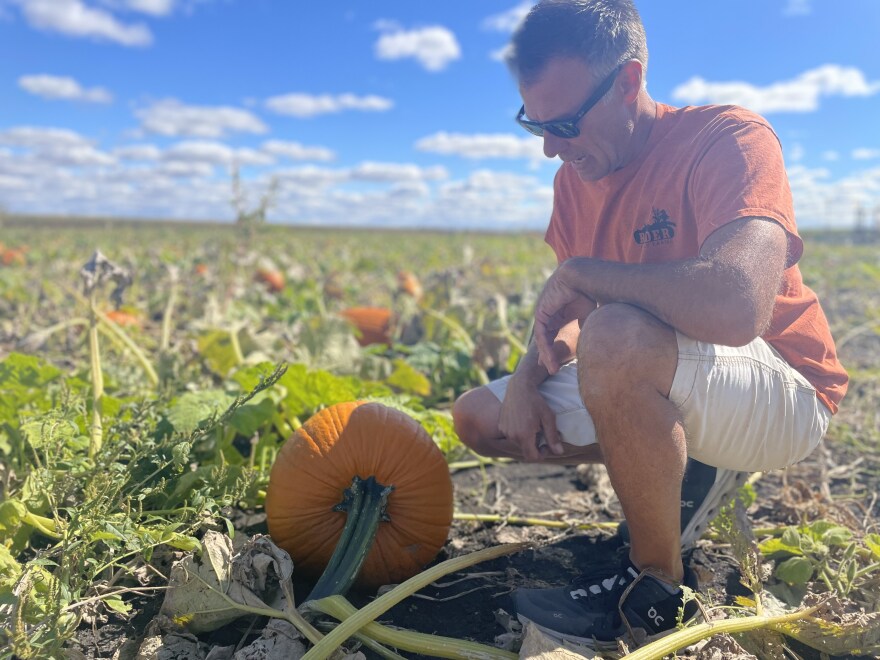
(676, 339)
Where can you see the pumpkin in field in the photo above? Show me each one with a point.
(409, 284)
(352, 469)
(271, 278)
(374, 324)
(11, 256)
(123, 318)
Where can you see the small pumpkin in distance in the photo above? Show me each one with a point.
(409, 284)
(123, 318)
(316, 466)
(374, 324)
(272, 279)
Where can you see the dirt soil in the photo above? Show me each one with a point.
(472, 608)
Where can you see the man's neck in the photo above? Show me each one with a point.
(645, 114)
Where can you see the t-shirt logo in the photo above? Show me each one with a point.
(659, 231)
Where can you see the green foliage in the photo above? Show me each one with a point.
(823, 551)
(178, 455)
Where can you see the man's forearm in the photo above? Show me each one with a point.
(702, 299)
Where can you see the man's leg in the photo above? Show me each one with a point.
(626, 365)
(476, 414)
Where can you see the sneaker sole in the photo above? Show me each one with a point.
(723, 491)
(589, 642)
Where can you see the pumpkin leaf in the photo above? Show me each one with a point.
(116, 604)
(796, 570)
(407, 379)
(872, 542)
(192, 408)
(218, 352)
(250, 417)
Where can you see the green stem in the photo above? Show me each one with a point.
(165, 340)
(538, 522)
(96, 438)
(366, 502)
(370, 612)
(132, 346)
(236, 346)
(45, 526)
(406, 640)
(691, 635)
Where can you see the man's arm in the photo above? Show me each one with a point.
(525, 417)
(724, 296)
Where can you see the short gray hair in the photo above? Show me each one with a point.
(602, 33)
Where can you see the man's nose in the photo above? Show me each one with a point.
(552, 144)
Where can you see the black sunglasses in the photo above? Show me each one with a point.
(567, 128)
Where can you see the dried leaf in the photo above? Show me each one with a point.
(537, 646)
(203, 591)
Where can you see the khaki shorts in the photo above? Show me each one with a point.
(744, 408)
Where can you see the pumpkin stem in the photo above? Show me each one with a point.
(366, 502)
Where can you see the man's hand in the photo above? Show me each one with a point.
(558, 305)
(526, 420)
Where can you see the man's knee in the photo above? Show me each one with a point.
(622, 342)
(472, 415)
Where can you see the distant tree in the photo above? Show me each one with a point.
(249, 220)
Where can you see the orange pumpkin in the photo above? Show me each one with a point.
(374, 324)
(123, 318)
(409, 284)
(317, 464)
(13, 256)
(272, 279)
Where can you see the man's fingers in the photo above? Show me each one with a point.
(551, 433)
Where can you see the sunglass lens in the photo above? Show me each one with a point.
(566, 131)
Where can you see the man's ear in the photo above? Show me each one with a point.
(630, 80)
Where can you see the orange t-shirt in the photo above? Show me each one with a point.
(701, 168)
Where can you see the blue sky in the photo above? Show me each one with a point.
(394, 113)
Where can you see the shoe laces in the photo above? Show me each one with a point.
(605, 582)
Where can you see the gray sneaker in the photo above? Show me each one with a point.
(615, 603)
(704, 490)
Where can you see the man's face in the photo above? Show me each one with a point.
(558, 93)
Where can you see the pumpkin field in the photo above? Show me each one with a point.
(151, 372)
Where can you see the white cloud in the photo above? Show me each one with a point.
(55, 146)
(310, 177)
(433, 47)
(482, 145)
(821, 201)
(796, 152)
(396, 172)
(183, 169)
(75, 19)
(248, 156)
(63, 87)
(865, 154)
(33, 137)
(308, 105)
(798, 95)
(500, 54)
(173, 118)
(214, 153)
(138, 152)
(297, 151)
(509, 20)
(830, 155)
(194, 151)
(151, 7)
